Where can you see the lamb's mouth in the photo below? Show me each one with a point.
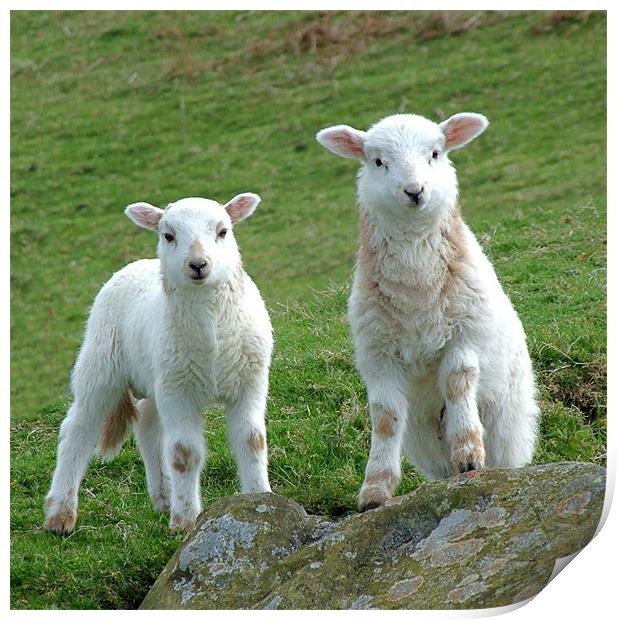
(199, 279)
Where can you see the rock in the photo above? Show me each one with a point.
(478, 540)
(220, 565)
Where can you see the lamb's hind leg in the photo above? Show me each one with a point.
(149, 437)
(425, 445)
(511, 429)
(79, 434)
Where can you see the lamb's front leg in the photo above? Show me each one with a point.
(149, 437)
(185, 449)
(246, 429)
(388, 407)
(458, 381)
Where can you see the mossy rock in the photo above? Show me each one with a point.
(478, 540)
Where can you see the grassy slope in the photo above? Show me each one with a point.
(227, 103)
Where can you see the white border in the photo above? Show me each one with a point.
(583, 589)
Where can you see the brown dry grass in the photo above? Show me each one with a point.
(579, 385)
(325, 38)
(347, 33)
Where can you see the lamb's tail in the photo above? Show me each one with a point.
(117, 427)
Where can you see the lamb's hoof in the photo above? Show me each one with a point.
(462, 464)
(61, 523)
(369, 506)
(181, 523)
(372, 497)
(465, 467)
(377, 489)
(60, 516)
(468, 453)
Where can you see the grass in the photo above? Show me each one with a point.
(110, 108)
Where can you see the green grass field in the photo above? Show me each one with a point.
(111, 108)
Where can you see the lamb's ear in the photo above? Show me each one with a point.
(144, 215)
(344, 141)
(462, 128)
(241, 206)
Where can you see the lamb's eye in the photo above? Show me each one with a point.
(169, 237)
(222, 233)
(378, 162)
(435, 154)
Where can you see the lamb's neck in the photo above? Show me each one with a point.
(207, 302)
(389, 223)
(416, 256)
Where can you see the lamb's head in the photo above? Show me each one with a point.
(196, 242)
(406, 171)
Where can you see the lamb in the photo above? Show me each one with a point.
(179, 333)
(437, 342)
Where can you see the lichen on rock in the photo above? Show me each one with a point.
(478, 540)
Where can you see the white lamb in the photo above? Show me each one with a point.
(181, 332)
(439, 346)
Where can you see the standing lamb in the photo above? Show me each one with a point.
(439, 346)
(181, 332)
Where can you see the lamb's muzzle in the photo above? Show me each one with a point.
(200, 268)
(414, 195)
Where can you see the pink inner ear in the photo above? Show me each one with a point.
(237, 208)
(347, 143)
(460, 132)
(147, 215)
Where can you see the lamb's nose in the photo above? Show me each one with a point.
(197, 265)
(415, 196)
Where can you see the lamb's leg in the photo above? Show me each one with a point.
(79, 434)
(149, 437)
(185, 450)
(246, 429)
(458, 381)
(423, 444)
(388, 406)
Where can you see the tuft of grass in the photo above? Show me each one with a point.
(108, 108)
